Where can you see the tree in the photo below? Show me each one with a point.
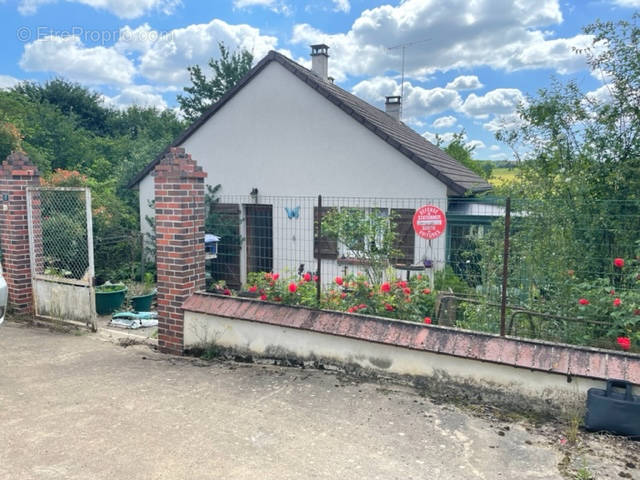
(572, 143)
(369, 238)
(462, 152)
(578, 190)
(71, 99)
(203, 92)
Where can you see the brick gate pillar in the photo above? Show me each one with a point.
(179, 223)
(17, 173)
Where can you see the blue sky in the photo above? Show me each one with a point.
(474, 62)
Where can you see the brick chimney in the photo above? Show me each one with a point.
(320, 60)
(393, 105)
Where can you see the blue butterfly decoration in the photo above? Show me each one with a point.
(292, 212)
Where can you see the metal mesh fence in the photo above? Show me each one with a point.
(561, 253)
(60, 235)
(280, 234)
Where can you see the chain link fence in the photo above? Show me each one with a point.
(60, 233)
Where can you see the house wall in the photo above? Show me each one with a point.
(282, 137)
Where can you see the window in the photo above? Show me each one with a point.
(324, 247)
(404, 242)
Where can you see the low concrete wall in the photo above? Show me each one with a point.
(547, 372)
(61, 300)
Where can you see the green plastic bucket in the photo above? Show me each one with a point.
(109, 302)
(143, 302)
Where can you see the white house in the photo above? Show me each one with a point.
(285, 135)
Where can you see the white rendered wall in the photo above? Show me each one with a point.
(276, 341)
(280, 136)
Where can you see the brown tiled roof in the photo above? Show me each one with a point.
(458, 178)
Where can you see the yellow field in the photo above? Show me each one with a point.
(500, 176)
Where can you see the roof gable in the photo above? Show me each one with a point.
(407, 141)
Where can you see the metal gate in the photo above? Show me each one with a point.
(61, 250)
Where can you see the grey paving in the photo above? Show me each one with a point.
(79, 407)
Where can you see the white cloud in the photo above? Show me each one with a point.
(68, 56)
(276, 6)
(601, 95)
(494, 148)
(444, 122)
(120, 8)
(495, 102)
(445, 138)
(342, 6)
(418, 101)
(507, 121)
(7, 81)
(627, 3)
(140, 95)
(499, 156)
(161, 57)
(476, 144)
(165, 60)
(136, 40)
(465, 82)
(506, 35)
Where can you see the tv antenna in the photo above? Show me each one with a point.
(403, 47)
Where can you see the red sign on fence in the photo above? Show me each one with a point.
(429, 222)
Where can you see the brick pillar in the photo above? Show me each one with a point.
(17, 173)
(179, 221)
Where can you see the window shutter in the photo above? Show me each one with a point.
(404, 242)
(325, 247)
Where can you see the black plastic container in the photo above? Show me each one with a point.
(614, 410)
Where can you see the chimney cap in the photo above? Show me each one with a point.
(320, 49)
(392, 99)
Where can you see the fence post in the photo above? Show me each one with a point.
(505, 266)
(179, 223)
(317, 246)
(17, 173)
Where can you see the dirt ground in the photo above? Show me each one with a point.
(77, 406)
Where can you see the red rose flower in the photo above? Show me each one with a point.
(338, 280)
(419, 276)
(407, 291)
(307, 277)
(583, 301)
(636, 311)
(618, 262)
(624, 342)
(278, 299)
(343, 295)
(268, 276)
(275, 276)
(253, 288)
(426, 291)
(388, 307)
(263, 297)
(385, 287)
(617, 302)
(226, 291)
(351, 309)
(293, 287)
(361, 306)
(612, 292)
(402, 284)
(315, 278)
(427, 320)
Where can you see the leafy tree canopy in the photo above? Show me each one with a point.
(203, 92)
(463, 153)
(571, 143)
